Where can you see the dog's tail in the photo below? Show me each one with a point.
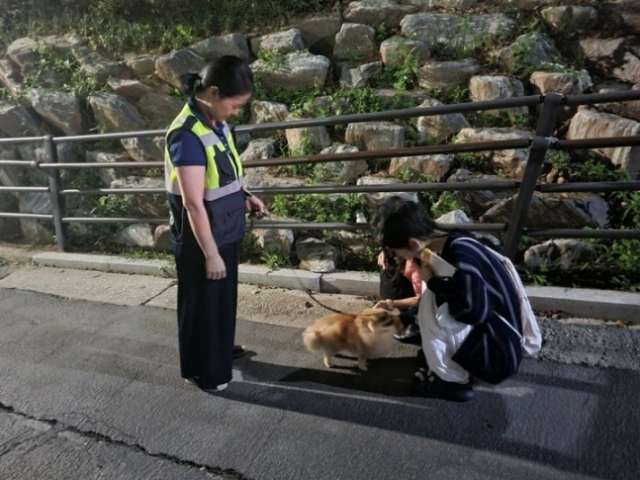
(312, 339)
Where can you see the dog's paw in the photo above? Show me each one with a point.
(327, 362)
(362, 366)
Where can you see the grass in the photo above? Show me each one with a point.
(120, 26)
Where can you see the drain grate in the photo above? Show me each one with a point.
(4, 263)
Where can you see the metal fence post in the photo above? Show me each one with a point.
(51, 153)
(541, 142)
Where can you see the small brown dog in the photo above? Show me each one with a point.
(368, 334)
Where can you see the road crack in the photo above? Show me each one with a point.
(58, 427)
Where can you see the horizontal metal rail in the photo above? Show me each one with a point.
(589, 187)
(596, 98)
(114, 191)
(574, 233)
(90, 165)
(31, 216)
(21, 140)
(586, 143)
(113, 220)
(110, 136)
(514, 102)
(24, 189)
(393, 152)
(16, 163)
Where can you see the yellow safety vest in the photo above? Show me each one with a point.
(213, 147)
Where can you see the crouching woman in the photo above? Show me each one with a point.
(475, 321)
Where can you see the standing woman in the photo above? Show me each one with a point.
(203, 175)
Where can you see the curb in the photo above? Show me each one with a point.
(579, 303)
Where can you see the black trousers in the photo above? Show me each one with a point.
(206, 315)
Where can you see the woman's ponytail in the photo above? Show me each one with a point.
(190, 83)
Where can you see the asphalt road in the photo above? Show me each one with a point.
(92, 391)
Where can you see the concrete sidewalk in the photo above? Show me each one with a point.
(574, 302)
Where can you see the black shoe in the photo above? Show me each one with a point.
(238, 351)
(428, 384)
(410, 335)
(422, 360)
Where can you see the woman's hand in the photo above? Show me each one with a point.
(382, 304)
(216, 269)
(255, 206)
(382, 260)
(426, 272)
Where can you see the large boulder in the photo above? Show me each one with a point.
(136, 235)
(169, 67)
(141, 65)
(512, 161)
(549, 211)
(109, 175)
(359, 76)
(280, 42)
(395, 50)
(612, 57)
(267, 112)
(25, 53)
(446, 75)
(346, 171)
(439, 127)
(377, 12)
(457, 31)
(304, 141)
(62, 110)
(434, 166)
(568, 253)
(591, 124)
(316, 255)
(144, 205)
(319, 34)
(297, 71)
(94, 65)
(114, 114)
(159, 110)
(483, 88)
(144, 149)
(375, 135)
(355, 42)
(571, 18)
(566, 83)
(259, 150)
(131, 90)
(629, 109)
(211, 49)
(476, 202)
(10, 77)
(18, 121)
(36, 231)
(530, 49)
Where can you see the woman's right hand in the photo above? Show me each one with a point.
(382, 261)
(216, 269)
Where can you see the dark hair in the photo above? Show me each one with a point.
(231, 75)
(397, 220)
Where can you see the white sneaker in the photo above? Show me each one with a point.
(216, 389)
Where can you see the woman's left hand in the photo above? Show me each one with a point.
(255, 206)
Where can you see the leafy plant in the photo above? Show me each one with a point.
(321, 208)
(274, 260)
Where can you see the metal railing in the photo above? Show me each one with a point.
(539, 145)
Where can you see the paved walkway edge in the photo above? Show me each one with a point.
(601, 304)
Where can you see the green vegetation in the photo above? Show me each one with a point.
(322, 208)
(121, 26)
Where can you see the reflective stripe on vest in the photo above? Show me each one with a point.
(212, 145)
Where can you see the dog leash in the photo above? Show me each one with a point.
(252, 225)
